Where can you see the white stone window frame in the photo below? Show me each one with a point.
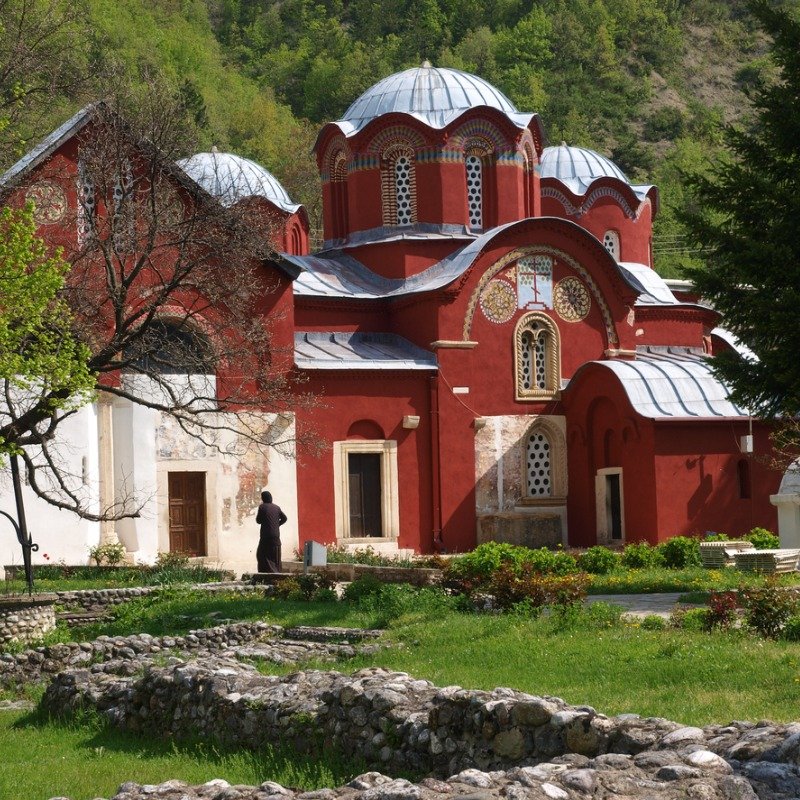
(553, 358)
(390, 194)
(603, 522)
(390, 499)
(558, 464)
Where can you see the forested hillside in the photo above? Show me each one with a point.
(643, 81)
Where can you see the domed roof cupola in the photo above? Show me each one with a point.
(578, 167)
(232, 178)
(435, 96)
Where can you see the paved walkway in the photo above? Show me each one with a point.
(640, 605)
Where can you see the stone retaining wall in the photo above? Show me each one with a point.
(25, 622)
(498, 744)
(351, 572)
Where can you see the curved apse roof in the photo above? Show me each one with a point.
(435, 96)
(232, 178)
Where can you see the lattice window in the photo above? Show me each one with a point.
(611, 243)
(537, 358)
(402, 188)
(538, 466)
(123, 220)
(87, 204)
(474, 170)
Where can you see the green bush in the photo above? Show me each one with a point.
(762, 539)
(791, 630)
(311, 586)
(110, 553)
(641, 555)
(599, 560)
(364, 586)
(652, 622)
(510, 586)
(690, 619)
(768, 608)
(680, 552)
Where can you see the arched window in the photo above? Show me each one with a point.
(399, 186)
(527, 181)
(538, 465)
(611, 243)
(170, 347)
(474, 172)
(339, 199)
(743, 476)
(537, 358)
(87, 204)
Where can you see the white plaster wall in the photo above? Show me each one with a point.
(61, 535)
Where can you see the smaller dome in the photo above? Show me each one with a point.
(232, 178)
(578, 167)
(434, 96)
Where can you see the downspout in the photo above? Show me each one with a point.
(436, 482)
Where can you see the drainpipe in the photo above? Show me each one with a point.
(436, 481)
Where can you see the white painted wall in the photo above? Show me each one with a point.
(61, 535)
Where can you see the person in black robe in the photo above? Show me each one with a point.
(270, 518)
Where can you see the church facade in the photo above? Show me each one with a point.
(494, 355)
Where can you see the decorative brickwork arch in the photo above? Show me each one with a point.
(399, 185)
(537, 358)
(522, 252)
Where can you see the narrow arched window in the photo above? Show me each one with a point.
(611, 243)
(170, 347)
(538, 465)
(398, 186)
(527, 182)
(339, 198)
(537, 361)
(743, 477)
(87, 204)
(474, 172)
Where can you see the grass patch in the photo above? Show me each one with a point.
(85, 759)
(690, 579)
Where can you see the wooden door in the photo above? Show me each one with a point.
(364, 485)
(187, 513)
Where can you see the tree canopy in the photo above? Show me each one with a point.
(744, 214)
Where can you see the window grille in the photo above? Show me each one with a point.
(87, 204)
(403, 194)
(474, 170)
(611, 243)
(539, 471)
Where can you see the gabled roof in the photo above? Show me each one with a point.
(348, 351)
(48, 145)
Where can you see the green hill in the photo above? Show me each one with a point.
(643, 81)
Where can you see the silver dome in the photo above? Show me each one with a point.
(232, 178)
(434, 96)
(578, 167)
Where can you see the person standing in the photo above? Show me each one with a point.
(270, 518)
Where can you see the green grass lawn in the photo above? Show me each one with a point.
(694, 678)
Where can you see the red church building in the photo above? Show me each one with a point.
(495, 356)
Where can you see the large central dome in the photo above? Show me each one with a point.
(434, 96)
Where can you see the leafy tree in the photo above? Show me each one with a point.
(744, 216)
(43, 368)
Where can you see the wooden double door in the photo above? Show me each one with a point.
(187, 513)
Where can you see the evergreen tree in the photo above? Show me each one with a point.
(744, 214)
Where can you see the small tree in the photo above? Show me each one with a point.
(744, 216)
(43, 369)
(171, 297)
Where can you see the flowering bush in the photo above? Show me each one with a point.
(510, 587)
(598, 560)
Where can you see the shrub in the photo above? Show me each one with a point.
(311, 586)
(721, 609)
(363, 555)
(599, 560)
(680, 552)
(652, 622)
(762, 539)
(641, 555)
(791, 630)
(174, 559)
(510, 587)
(690, 619)
(111, 553)
(768, 608)
(362, 587)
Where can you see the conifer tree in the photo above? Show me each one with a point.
(745, 216)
